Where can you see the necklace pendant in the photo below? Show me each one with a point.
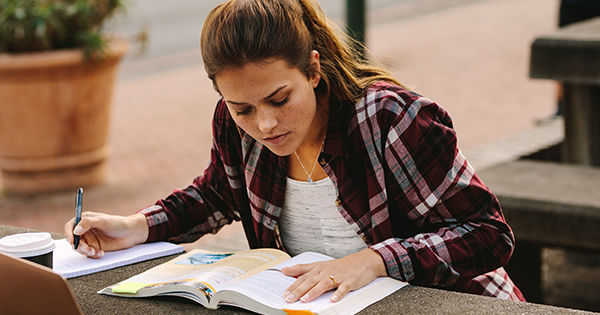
(309, 180)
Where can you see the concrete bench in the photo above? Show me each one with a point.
(570, 55)
(546, 204)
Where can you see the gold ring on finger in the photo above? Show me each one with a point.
(330, 277)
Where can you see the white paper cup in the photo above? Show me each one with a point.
(35, 247)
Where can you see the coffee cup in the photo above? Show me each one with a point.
(35, 247)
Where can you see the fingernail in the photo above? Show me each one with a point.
(305, 298)
(101, 253)
(78, 229)
(92, 251)
(335, 297)
(289, 297)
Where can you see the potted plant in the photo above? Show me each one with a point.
(57, 74)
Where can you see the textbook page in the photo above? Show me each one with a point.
(69, 263)
(268, 286)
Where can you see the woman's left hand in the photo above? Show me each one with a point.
(346, 274)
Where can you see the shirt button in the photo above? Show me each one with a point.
(322, 161)
(337, 202)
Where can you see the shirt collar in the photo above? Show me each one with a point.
(337, 128)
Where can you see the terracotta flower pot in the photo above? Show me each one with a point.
(54, 118)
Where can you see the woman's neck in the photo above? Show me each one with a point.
(303, 163)
(318, 130)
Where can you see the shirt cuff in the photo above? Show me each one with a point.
(156, 217)
(396, 259)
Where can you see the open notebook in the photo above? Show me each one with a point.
(70, 263)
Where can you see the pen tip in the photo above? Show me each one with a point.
(80, 190)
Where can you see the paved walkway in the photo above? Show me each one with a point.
(471, 58)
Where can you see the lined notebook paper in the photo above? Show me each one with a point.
(70, 264)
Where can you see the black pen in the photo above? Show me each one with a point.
(77, 215)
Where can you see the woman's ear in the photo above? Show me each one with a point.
(315, 67)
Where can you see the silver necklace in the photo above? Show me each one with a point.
(309, 175)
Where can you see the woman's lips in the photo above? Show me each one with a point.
(276, 139)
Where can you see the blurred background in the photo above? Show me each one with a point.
(471, 56)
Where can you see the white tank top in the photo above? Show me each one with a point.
(310, 221)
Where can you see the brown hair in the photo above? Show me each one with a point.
(241, 31)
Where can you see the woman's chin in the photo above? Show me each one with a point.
(280, 151)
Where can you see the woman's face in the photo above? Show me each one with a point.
(274, 103)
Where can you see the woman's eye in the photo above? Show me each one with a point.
(242, 112)
(282, 102)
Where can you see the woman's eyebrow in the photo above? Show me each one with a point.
(276, 91)
(266, 98)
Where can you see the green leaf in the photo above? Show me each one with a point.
(34, 25)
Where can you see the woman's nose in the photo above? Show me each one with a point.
(267, 121)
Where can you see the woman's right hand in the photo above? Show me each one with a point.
(101, 232)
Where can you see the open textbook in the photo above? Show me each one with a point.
(249, 279)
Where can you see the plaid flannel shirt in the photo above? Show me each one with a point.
(403, 186)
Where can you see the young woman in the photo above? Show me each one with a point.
(315, 150)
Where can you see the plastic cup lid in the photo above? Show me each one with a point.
(27, 244)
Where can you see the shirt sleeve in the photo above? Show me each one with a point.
(459, 230)
(204, 206)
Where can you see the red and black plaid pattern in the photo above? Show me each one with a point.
(403, 185)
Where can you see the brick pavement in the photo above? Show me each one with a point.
(471, 58)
